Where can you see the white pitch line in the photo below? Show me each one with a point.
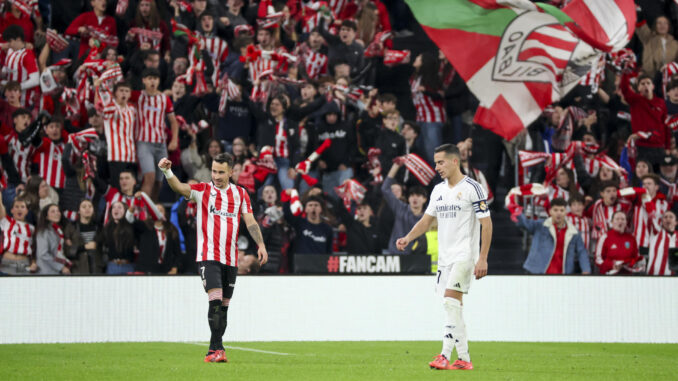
(249, 350)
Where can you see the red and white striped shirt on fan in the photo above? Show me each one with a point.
(18, 66)
(583, 225)
(20, 154)
(119, 129)
(218, 221)
(660, 244)
(151, 112)
(218, 51)
(428, 109)
(112, 196)
(17, 236)
(48, 156)
(642, 212)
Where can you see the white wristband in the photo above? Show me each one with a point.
(168, 173)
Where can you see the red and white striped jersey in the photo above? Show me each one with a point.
(428, 109)
(49, 158)
(162, 243)
(112, 196)
(337, 6)
(660, 243)
(315, 64)
(281, 149)
(18, 66)
(602, 215)
(17, 236)
(119, 129)
(218, 221)
(21, 155)
(583, 225)
(642, 212)
(146, 37)
(218, 51)
(151, 112)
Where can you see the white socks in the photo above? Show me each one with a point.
(455, 330)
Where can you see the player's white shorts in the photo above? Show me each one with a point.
(456, 277)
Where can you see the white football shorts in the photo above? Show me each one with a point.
(456, 277)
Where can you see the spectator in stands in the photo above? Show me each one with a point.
(153, 107)
(158, 243)
(20, 65)
(659, 46)
(248, 264)
(668, 169)
(406, 214)
(275, 230)
(17, 242)
(118, 240)
(81, 238)
(198, 166)
(95, 21)
(362, 234)
(313, 236)
(38, 194)
(427, 95)
(152, 32)
(119, 123)
(602, 210)
(556, 243)
(388, 140)
(616, 251)
(648, 115)
(662, 244)
(466, 152)
(186, 211)
(642, 168)
(576, 217)
(49, 243)
(335, 162)
(343, 46)
(16, 17)
(8, 105)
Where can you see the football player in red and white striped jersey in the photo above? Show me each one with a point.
(21, 66)
(17, 239)
(219, 207)
(152, 108)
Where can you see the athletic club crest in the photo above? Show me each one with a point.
(535, 49)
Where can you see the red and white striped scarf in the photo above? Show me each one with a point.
(281, 148)
(162, 243)
(419, 168)
(60, 257)
(350, 190)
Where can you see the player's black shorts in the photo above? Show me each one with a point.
(218, 275)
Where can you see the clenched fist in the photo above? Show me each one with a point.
(165, 164)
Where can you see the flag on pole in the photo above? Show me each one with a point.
(517, 57)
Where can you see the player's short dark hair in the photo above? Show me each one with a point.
(448, 149)
(575, 197)
(350, 24)
(150, 72)
(387, 97)
(14, 32)
(418, 190)
(121, 84)
(415, 126)
(222, 158)
(652, 176)
(558, 202)
(317, 199)
(20, 111)
(12, 85)
(607, 184)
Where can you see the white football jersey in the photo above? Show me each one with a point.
(458, 210)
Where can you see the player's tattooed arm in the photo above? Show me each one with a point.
(255, 232)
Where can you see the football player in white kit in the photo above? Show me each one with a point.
(459, 203)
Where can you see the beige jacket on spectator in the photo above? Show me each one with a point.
(52, 198)
(655, 54)
(195, 165)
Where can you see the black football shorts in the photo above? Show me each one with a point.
(218, 275)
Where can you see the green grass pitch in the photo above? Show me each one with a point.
(337, 361)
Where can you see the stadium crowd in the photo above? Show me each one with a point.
(331, 111)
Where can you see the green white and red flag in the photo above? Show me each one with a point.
(517, 57)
